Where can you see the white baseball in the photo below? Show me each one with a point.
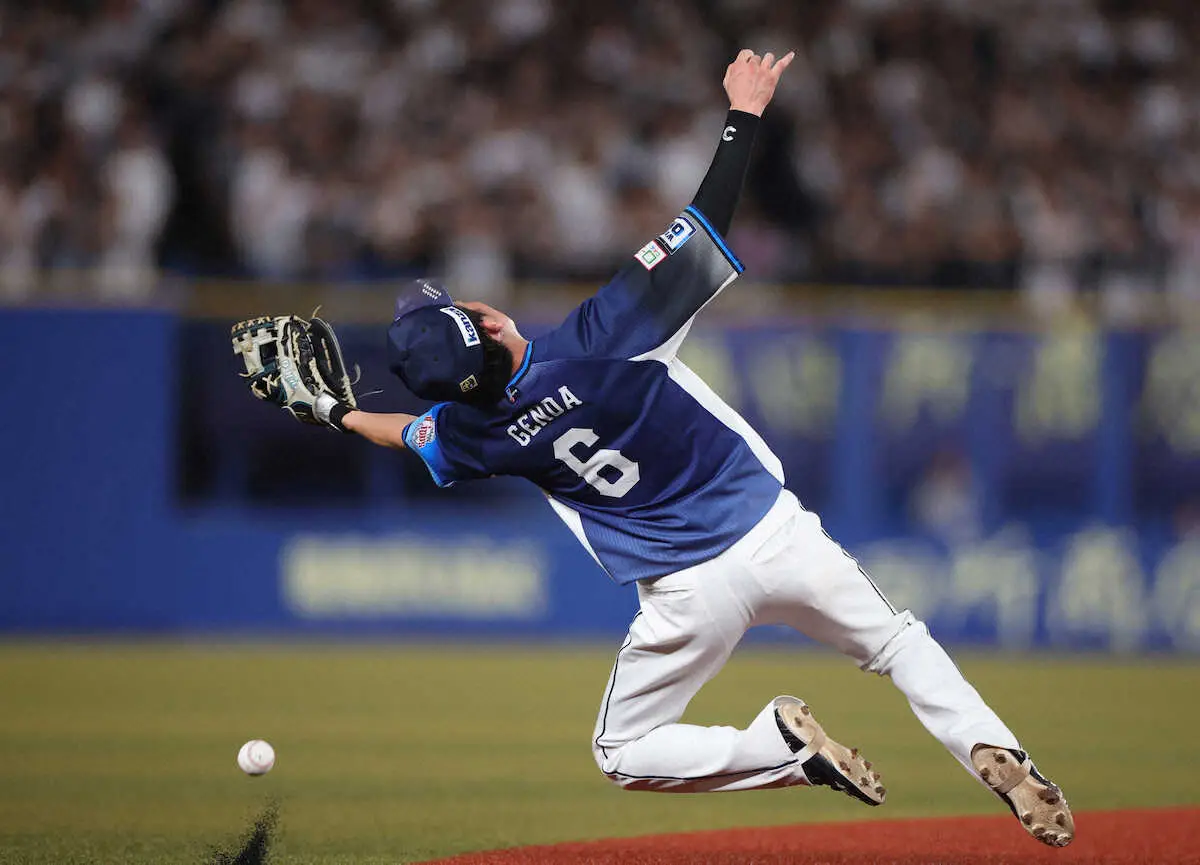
(256, 757)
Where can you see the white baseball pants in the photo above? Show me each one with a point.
(786, 570)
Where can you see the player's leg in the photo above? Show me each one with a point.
(688, 625)
(817, 588)
(678, 641)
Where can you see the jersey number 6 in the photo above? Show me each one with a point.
(627, 470)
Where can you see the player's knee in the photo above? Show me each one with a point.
(904, 630)
(607, 758)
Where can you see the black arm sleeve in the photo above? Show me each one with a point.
(718, 195)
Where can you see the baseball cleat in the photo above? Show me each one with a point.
(1036, 801)
(828, 764)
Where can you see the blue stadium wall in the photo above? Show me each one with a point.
(145, 492)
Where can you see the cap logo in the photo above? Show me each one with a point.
(469, 334)
(418, 293)
(468, 384)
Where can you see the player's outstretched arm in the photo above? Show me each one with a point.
(646, 309)
(386, 430)
(297, 364)
(750, 83)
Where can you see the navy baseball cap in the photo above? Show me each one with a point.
(433, 346)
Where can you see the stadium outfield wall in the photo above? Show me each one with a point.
(1016, 488)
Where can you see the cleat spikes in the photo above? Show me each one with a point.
(1037, 803)
(831, 764)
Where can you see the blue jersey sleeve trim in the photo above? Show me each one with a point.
(717, 239)
(430, 452)
(524, 367)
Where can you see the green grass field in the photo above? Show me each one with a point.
(126, 752)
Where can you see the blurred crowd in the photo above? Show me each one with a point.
(1051, 145)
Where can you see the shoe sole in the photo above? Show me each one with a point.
(1039, 806)
(831, 764)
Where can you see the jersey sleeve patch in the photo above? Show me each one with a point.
(421, 437)
(651, 255)
(683, 229)
(656, 251)
(678, 234)
(644, 311)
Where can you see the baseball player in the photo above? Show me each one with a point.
(668, 488)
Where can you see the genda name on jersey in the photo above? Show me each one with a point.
(530, 424)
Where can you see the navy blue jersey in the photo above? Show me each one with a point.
(650, 469)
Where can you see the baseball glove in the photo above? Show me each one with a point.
(291, 361)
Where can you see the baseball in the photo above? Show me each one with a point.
(256, 757)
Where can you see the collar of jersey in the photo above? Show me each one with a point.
(524, 367)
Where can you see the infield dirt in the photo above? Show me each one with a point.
(1167, 836)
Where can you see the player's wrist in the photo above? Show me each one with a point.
(747, 108)
(331, 411)
(337, 416)
(741, 123)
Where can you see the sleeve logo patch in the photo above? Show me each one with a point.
(425, 432)
(469, 334)
(650, 255)
(678, 234)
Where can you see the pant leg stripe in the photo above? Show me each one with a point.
(783, 765)
(612, 685)
(866, 576)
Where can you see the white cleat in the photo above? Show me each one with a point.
(1035, 800)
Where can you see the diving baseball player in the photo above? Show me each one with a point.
(668, 488)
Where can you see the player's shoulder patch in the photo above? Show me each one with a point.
(422, 432)
(424, 439)
(651, 255)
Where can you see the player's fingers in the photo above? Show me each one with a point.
(767, 60)
(783, 63)
(744, 55)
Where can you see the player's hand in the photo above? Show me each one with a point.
(750, 80)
